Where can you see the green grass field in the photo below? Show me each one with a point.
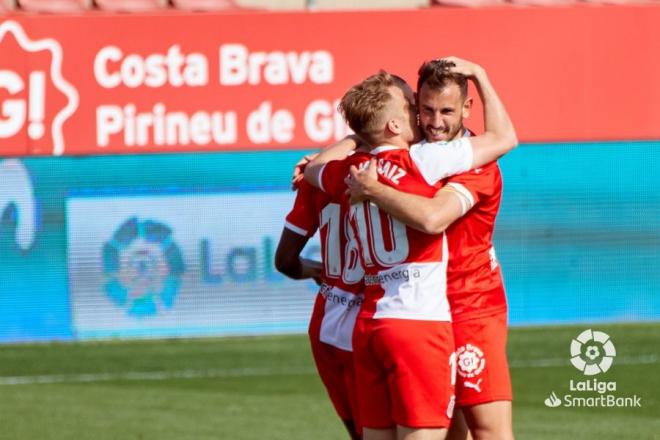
(267, 388)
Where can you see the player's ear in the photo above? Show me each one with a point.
(467, 107)
(393, 126)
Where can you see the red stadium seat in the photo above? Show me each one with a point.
(469, 3)
(55, 6)
(207, 5)
(131, 5)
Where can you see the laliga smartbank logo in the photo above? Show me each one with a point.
(29, 90)
(592, 353)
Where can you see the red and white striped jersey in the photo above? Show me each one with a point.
(405, 269)
(341, 292)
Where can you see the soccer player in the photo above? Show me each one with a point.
(474, 281)
(339, 298)
(403, 344)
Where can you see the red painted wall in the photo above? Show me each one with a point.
(565, 73)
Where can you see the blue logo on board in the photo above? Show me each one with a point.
(17, 202)
(143, 267)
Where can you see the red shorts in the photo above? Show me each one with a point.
(336, 368)
(483, 370)
(403, 372)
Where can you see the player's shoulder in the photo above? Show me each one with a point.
(439, 149)
(393, 160)
(313, 195)
(356, 158)
(486, 178)
(306, 189)
(359, 157)
(490, 169)
(424, 144)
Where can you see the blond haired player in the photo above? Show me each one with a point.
(474, 282)
(403, 344)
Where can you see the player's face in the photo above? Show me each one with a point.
(441, 112)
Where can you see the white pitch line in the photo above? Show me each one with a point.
(252, 372)
(151, 375)
(558, 362)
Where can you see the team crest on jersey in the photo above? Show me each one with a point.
(471, 361)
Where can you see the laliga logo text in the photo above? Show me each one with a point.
(17, 111)
(16, 193)
(592, 352)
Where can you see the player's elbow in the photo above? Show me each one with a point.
(288, 265)
(511, 140)
(501, 145)
(508, 139)
(434, 228)
(311, 173)
(434, 224)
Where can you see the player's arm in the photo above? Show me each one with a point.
(499, 136)
(299, 170)
(337, 151)
(429, 215)
(437, 161)
(288, 260)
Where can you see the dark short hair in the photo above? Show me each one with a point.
(436, 75)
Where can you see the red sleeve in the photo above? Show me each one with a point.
(332, 177)
(303, 218)
(477, 184)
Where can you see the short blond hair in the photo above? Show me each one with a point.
(363, 105)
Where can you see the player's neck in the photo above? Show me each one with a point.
(393, 141)
(463, 132)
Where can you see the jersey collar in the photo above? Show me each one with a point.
(383, 148)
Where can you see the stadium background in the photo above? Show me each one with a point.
(144, 177)
(106, 233)
(578, 231)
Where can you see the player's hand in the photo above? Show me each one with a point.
(299, 169)
(361, 182)
(312, 269)
(462, 67)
